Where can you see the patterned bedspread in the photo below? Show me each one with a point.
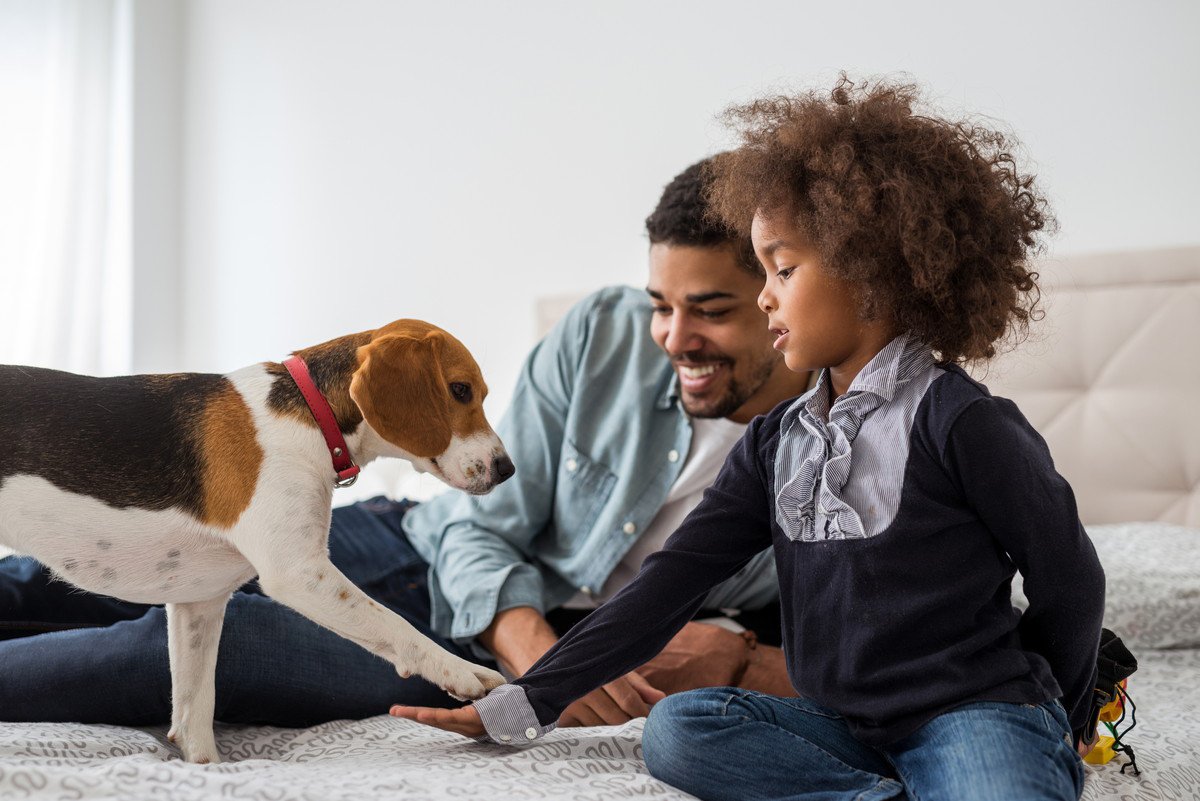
(382, 758)
(1153, 602)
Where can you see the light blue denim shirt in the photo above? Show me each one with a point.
(598, 436)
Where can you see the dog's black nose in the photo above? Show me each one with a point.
(503, 467)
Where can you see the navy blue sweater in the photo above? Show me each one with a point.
(892, 629)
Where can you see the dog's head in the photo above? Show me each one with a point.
(421, 391)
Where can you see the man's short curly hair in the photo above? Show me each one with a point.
(682, 218)
(928, 216)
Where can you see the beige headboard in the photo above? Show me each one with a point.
(1110, 376)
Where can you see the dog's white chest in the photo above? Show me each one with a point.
(133, 554)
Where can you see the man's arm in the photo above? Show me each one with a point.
(517, 638)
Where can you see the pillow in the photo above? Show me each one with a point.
(1153, 583)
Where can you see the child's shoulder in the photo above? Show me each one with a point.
(951, 395)
(953, 390)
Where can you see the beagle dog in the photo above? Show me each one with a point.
(180, 488)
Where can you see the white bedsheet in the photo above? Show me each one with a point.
(1154, 588)
(377, 758)
(383, 758)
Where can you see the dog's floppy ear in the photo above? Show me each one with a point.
(401, 392)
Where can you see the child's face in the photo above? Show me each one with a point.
(813, 315)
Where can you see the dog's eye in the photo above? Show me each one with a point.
(461, 392)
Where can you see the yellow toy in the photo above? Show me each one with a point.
(1102, 752)
(1111, 714)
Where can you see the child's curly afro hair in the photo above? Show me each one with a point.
(928, 216)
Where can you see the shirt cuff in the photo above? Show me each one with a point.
(516, 585)
(508, 718)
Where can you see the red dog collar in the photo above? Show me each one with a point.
(343, 465)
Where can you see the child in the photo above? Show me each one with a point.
(898, 494)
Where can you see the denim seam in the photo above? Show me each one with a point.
(1047, 719)
(908, 790)
(729, 700)
(869, 795)
(838, 760)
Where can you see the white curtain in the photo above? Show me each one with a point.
(65, 273)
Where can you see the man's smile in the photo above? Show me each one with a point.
(698, 376)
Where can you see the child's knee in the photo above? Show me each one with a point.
(674, 729)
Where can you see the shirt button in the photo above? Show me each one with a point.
(531, 733)
(673, 456)
(504, 738)
(572, 465)
(586, 590)
(629, 528)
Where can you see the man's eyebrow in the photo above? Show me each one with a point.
(702, 297)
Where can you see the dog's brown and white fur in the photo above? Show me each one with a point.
(177, 489)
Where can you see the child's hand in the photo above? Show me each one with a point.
(464, 720)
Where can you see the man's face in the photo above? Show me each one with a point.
(707, 319)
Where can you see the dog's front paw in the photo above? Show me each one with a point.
(489, 678)
(197, 748)
(464, 680)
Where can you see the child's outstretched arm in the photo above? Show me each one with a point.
(1006, 473)
(730, 525)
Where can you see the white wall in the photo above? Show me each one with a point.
(156, 184)
(348, 163)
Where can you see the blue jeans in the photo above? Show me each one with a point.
(726, 743)
(101, 660)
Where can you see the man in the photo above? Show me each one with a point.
(613, 444)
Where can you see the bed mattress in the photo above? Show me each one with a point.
(381, 757)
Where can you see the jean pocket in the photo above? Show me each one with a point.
(1058, 714)
(1051, 716)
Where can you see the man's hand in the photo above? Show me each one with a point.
(700, 655)
(704, 655)
(464, 720)
(620, 701)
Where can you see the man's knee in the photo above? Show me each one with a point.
(277, 666)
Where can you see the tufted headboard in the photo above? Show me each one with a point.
(1110, 377)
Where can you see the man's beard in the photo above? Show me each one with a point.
(735, 395)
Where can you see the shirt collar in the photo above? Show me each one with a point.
(900, 361)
